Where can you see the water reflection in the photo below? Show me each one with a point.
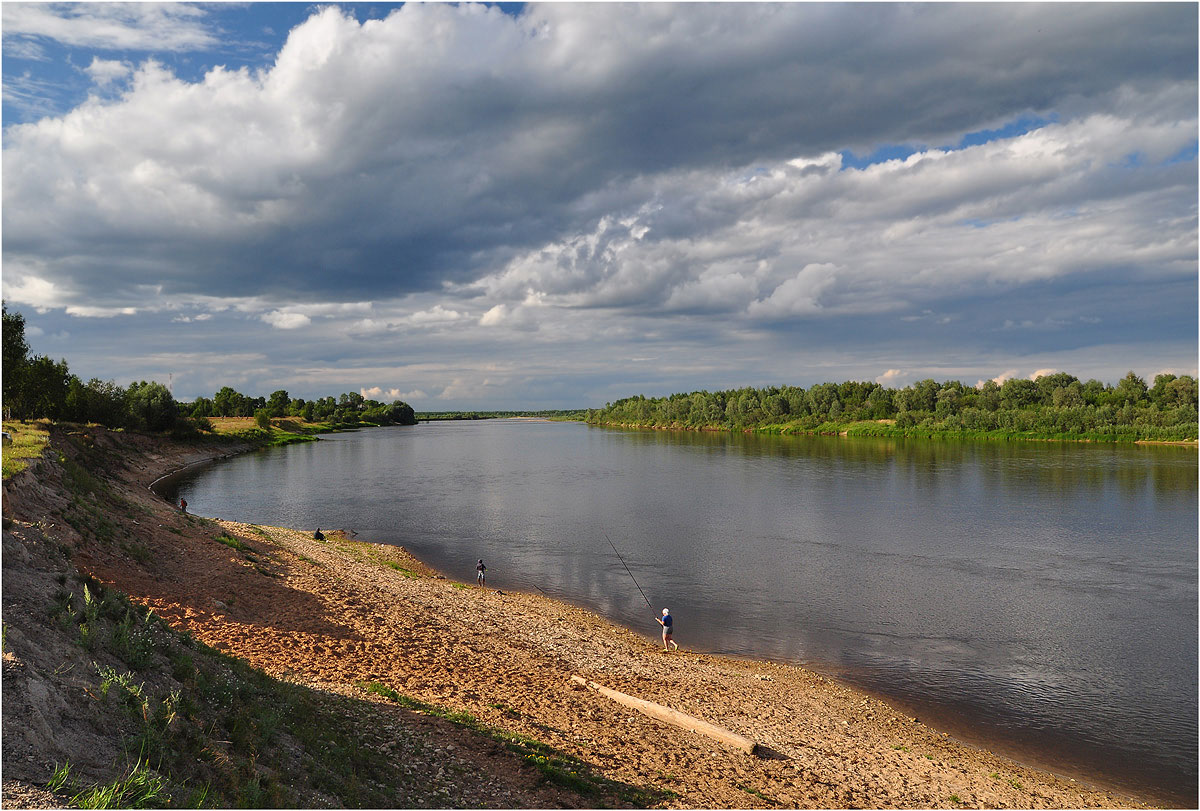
(1039, 593)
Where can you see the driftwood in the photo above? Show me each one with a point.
(676, 718)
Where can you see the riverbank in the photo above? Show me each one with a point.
(477, 668)
(888, 429)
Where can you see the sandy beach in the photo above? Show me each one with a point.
(344, 613)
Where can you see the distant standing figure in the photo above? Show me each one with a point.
(479, 570)
(183, 505)
(317, 535)
(668, 624)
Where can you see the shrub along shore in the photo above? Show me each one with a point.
(1053, 407)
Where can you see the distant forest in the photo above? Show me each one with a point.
(1056, 406)
(36, 387)
(549, 414)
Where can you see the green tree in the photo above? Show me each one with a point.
(879, 403)
(1069, 396)
(151, 405)
(16, 350)
(1180, 392)
(1018, 393)
(107, 403)
(262, 417)
(350, 401)
(1046, 384)
(1131, 390)
(277, 405)
(202, 407)
(949, 401)
(42, 389)
(228, 403)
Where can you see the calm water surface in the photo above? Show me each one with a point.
(1038, 597)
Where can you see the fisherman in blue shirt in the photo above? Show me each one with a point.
(668, 625)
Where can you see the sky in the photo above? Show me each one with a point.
(557, 206)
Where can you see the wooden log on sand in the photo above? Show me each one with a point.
(675, 718)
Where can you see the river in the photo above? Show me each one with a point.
(1036, 598)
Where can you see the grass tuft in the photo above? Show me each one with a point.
(391, 564)
(234, 543)
(140, 788)
(29, 440)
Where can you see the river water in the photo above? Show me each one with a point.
(1036, 598)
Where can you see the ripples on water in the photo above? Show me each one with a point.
(1036, 595)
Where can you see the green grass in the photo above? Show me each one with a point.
(29, 440)
(755, 792)
(234, 543)
(391, 564)
(281, 432)
(139, 788)
(60, 779)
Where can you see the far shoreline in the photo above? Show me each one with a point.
(918, 434)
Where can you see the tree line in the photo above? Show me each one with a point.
(1057, 405)
(36, 386)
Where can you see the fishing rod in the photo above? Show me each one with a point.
(626, 565)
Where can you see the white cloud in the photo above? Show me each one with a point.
(39, 293)
(137, 26)
(286, 320)
(378, 393)
(495, 316)
(84, 311)
(1042, 373)
(435, 315)
(515, 317)
(106, 71)
(798, 295)
(891, 378)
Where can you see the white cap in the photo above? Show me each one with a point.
(666, 611)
